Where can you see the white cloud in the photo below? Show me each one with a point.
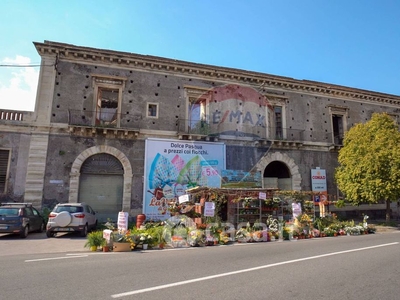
(18, 85)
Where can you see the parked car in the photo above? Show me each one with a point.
(20, 218)
(71, 217)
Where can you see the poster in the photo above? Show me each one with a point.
(173, 166)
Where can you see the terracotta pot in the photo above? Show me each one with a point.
(140, 220)
(106, 249)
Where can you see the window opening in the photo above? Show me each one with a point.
(152, 110)
(198, 116)
(337, 123)
(278, 122)
(4, 157)
(107, 106)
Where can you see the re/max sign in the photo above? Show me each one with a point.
(238, 117)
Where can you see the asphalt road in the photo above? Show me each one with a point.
(348, 267)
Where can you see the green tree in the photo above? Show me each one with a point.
(369, 162)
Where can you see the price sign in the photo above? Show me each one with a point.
(209, 171)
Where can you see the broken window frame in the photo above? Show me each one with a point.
(102, 84)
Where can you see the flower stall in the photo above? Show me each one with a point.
(213, 216)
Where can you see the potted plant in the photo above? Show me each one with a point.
(95, 240)
(247, 202)
(242, 235)
(124, 241)
(145, 239)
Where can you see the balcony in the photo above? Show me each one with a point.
(199, 130)
(89, 123)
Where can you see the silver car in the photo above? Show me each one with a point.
(71, 217)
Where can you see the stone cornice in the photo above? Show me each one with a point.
(256, 79)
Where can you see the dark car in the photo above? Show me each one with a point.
(20, 218)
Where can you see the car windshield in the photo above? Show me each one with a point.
(70, 209)
(9, 211)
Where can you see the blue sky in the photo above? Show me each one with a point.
(352, 43)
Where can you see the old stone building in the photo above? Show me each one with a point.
(114, 129)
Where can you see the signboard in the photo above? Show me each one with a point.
(209, 209)
(122, 222)
(296, 208)
(318, 184)
(183, 199)
(107, 235)
(262, 195)
(241, 179)
(234, 110)
(173, 166)
(318, 180)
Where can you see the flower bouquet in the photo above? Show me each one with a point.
(196, 238)
(243, 235)
(174, 207)
(145, 238)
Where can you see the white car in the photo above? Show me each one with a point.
(71, 217)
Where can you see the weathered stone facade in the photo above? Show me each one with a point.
(49, 146)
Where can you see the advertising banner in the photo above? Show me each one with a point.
(173, 166)
(241, 179)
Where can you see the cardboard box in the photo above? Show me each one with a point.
(121, 247)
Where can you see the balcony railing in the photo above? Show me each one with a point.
(107, 119)
(104, 119)
(11, 115)
(191, 127)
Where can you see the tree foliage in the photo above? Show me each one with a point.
(369, 162)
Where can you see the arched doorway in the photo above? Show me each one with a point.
(277, 175)
(101, 185)
(127, 173)
(281, 166)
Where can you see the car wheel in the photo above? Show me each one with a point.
(50, 234)
(41, 228)
(24, 232)
(84, 231)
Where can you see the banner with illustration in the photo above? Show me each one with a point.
(173, 166)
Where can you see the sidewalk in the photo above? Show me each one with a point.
(38, 243)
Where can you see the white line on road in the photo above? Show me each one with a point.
(55, 258)
(165, 286)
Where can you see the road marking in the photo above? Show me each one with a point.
(55, 258)
(165, 286)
